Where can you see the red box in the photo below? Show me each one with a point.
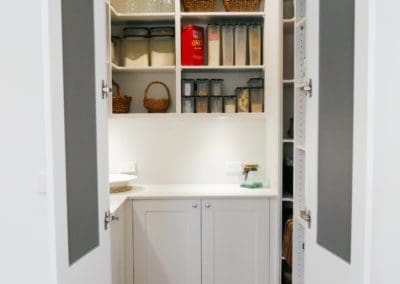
(192, 45)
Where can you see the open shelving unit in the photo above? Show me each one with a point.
(133, 81)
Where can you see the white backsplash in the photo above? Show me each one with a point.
(186, 150)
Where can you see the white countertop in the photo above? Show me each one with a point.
(189, 191)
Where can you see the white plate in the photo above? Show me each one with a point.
(117, 180)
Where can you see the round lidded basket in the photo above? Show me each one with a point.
(156, 105)
(199, 5)
(241, 5)
(120, 102)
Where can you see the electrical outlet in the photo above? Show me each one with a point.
(233, 168)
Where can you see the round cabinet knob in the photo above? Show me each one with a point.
(195, 205)
(207, 205)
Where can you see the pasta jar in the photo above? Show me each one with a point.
(162, 46)
(255, 44)
(214, 46)
(257, 99)
(192, 45)
(136, 47)
(243, 99)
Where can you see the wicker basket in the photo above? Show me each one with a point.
(154, 105)
(120, 102)
(199, 5)
(241, 5)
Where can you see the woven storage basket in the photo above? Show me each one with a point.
(199, 5)
(120, 102)
(156, 104)
(241, 5)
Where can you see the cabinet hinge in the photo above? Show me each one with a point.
(307, 88)
(105, 90)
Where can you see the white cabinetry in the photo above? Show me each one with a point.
(121, 245)
(235, 241)
(167, 242)
(208, 242)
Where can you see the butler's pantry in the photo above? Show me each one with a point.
(194, 151)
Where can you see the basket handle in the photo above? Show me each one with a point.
(154, 83)
(117, 86)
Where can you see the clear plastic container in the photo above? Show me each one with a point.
(162, 45)
(214, 44)
(240, 45)
(255, 44)
(187, 87)
(217, 104)
(187, 104)
(257, 99)
(203, 87)
(227, 32)
(201, 104)
(230, 104)
(216, 87)
(136, 47)
(255, 83)
(243, 99)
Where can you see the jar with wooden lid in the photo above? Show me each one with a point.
(136, 47)
(162, 46)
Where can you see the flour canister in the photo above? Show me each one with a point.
(192, 45)
(162, 45)
(136, 47)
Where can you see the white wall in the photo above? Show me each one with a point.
(385, 226)
(186, 150)
(24, 251)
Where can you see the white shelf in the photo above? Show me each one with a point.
(222, 68)
(288, 82)
(122, 69)
(191, 115)
(206, 15)
(289, 21)
(140, 17)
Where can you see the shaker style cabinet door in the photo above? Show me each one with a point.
(235, 242)
(117, 248)
(167, 242)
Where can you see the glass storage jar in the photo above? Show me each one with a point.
(136, 47)
(214, 36)
(187, 87)
(217, 105)
(255, 44)
(227, 32)
(251, 177)
(243, 99)
(240, 45)
(187, 104)
(203, 87)
(288, 9)
(256, 83)
(257, 99)
(201, 104)
(230, 104)
(162, 46)
(216, 87)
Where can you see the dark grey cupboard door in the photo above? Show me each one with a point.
(79, 72)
